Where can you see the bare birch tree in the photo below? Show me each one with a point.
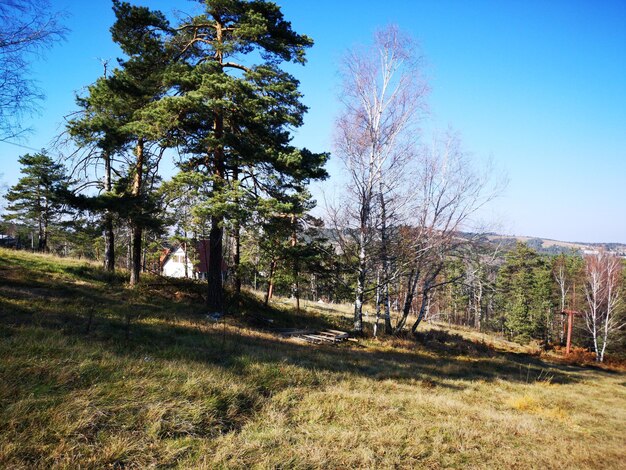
(604, 314)
(560, 276)
(383, 95)
(447, 192)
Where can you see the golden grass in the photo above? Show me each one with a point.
(154, 384)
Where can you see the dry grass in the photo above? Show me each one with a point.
(150, 382)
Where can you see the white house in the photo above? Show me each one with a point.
(173, 264)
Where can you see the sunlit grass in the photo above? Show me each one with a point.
(95, 375)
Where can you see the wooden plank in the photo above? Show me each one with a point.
(326, 333)
(327, 336)
(294, 332)
(341, 333)
(337, 334)
(322, 338)
(318, 338)
(308, 339)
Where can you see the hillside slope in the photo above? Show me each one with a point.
(554, 247)
(94, 375)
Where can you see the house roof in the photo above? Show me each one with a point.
(165, 254)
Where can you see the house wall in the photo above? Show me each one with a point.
(175, 265)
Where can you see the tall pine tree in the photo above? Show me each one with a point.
(232, 116)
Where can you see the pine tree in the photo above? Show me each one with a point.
(232, 116)
(38, 198)
(524, 294)
(113, 121)
(98, 132)
(141, 33)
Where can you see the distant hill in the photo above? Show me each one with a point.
(541, 245)
(549, 246)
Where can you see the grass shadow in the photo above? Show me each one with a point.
(150, 320)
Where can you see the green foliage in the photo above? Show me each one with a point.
(195, 87)
(38, 198)
(454, 296)
(524, 294)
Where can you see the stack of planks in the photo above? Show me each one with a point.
(316, 336)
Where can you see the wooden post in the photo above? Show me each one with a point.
(570, 321)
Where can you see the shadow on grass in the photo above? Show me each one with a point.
(146, 321)
(251, 311)
(149, 333)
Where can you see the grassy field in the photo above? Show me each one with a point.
(95, 375)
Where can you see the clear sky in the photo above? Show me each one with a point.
(538, 86)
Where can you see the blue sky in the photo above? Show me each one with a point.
(540, 87)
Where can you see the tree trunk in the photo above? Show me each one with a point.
(136, 228)
(215, 294)
(596, 348)
(605, 337)
(378, 298)
(384, 239)
(109, 243)
(408, 299)
(43, 239)
(129, 249)
(215, 297)
(362, 268)
(296, 264)
(135, 268)
(237, 258)
(109, 236)
(360, 291)
(270, 283)
(144, 254)
(41, 235)
(428, 285)
(423, 309)
(237, 237)
(313, 288)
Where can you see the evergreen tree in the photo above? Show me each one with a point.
(98, 131)
(38, 198)
(524, 294)
(113, 122)
(140, 32)
(232, 116)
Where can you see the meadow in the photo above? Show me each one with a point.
(94, 374)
